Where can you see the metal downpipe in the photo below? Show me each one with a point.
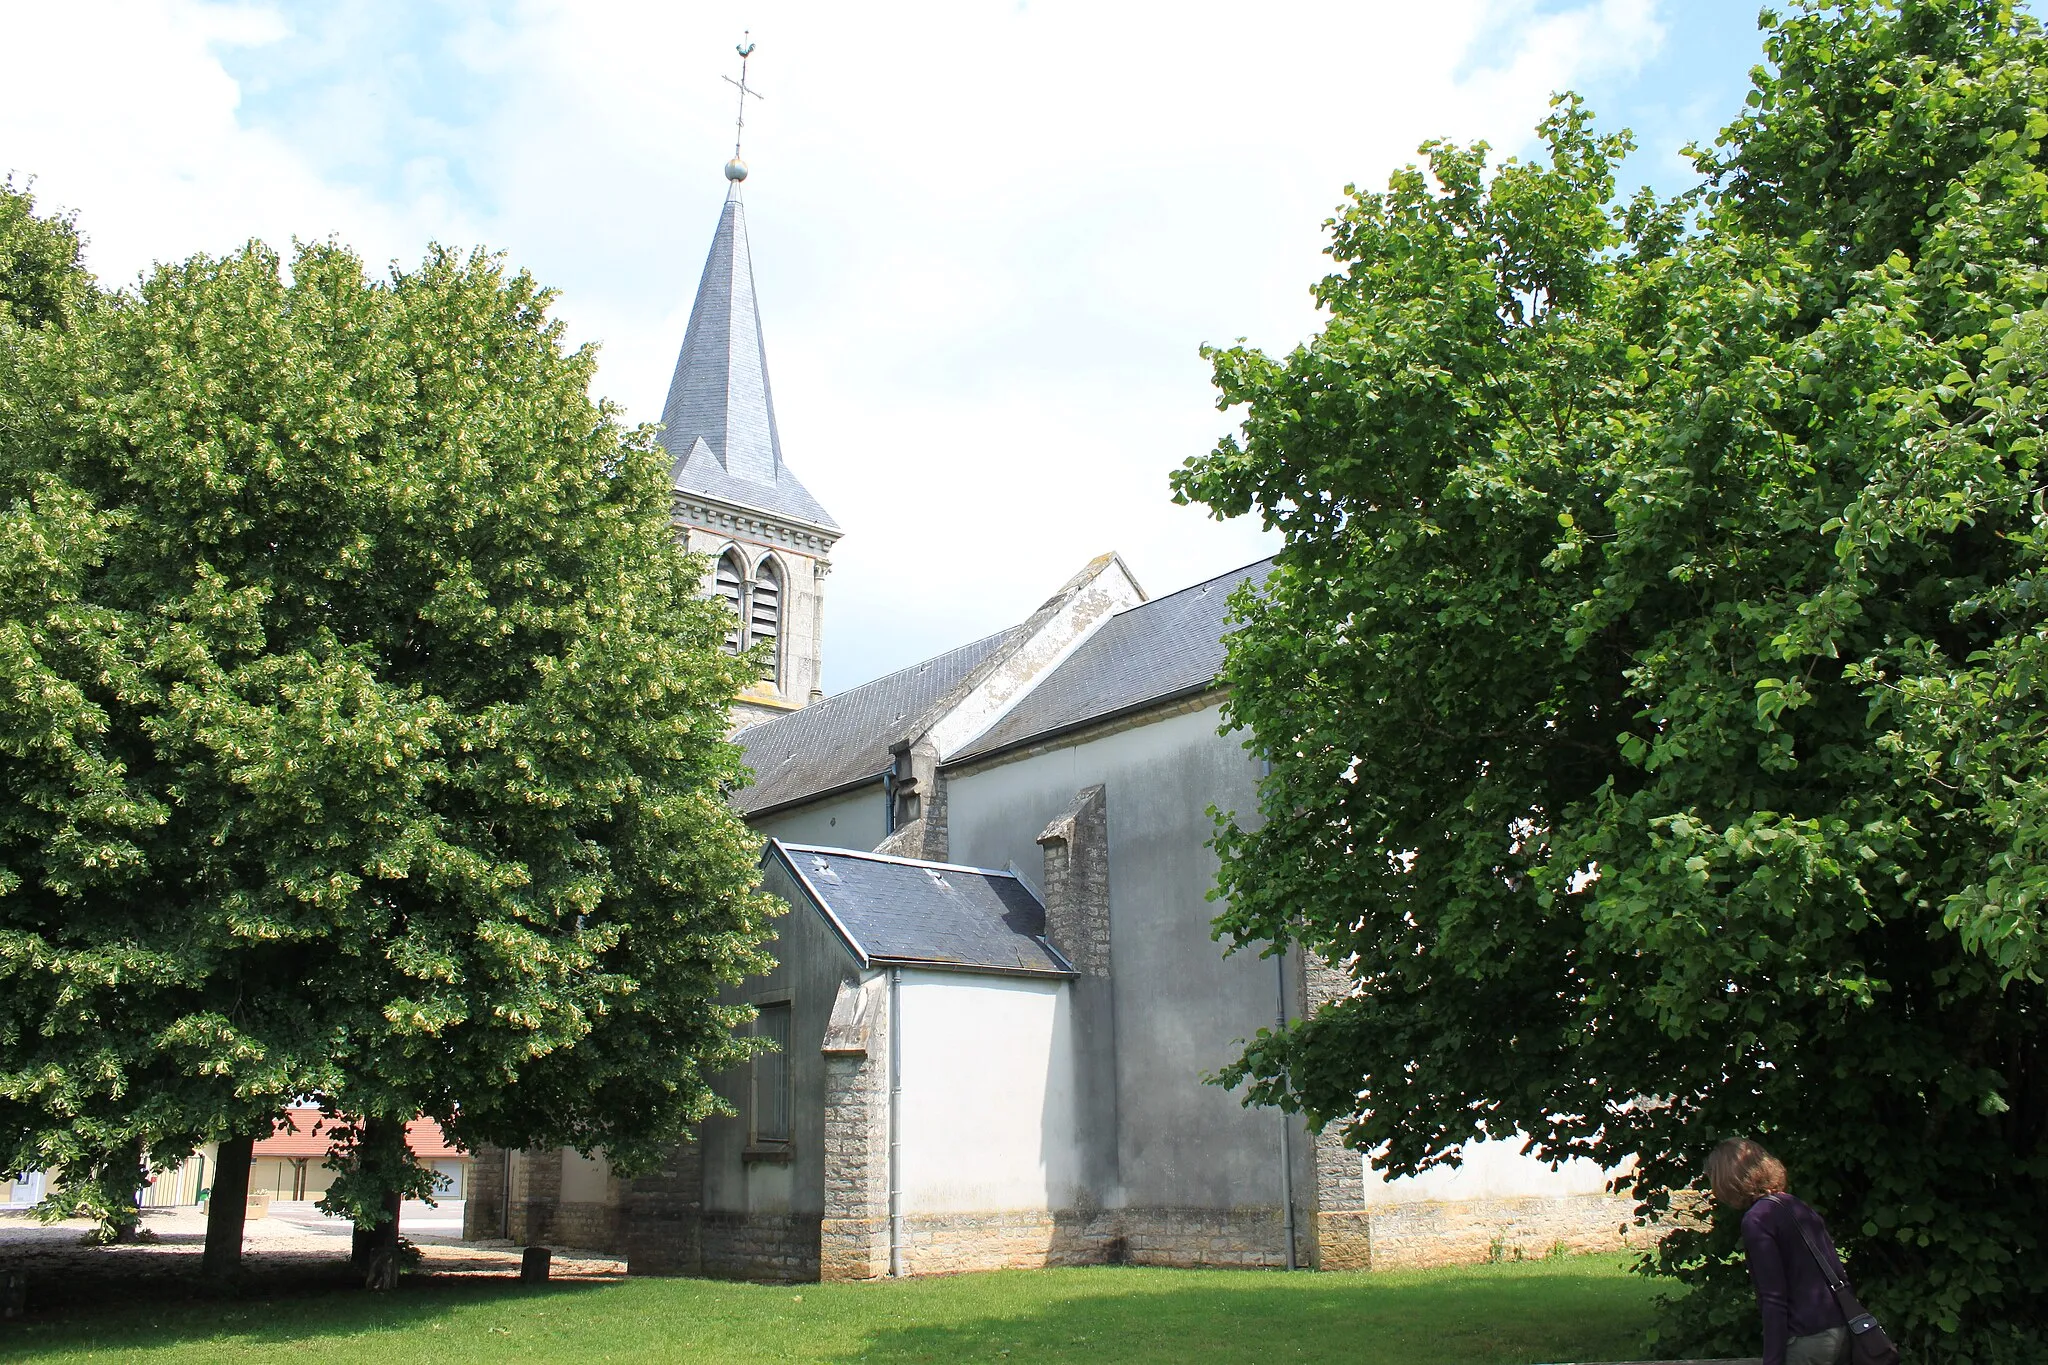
(895, 1122)
(1286, 1131)
(1286, 1121)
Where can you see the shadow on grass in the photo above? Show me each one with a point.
(279, 1309)
(1490, 1317)
(1503, 1315)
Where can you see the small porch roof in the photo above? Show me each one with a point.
(912, 913)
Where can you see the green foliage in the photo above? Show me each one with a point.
(103, 1191)
(361, 722)
(1652, 677)
(41, 279)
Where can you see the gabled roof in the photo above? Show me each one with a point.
(1145, 655)
(844, 740)
(719, 420)
(909, 912)
(847, 740)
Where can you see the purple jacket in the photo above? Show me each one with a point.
(1789, 1287)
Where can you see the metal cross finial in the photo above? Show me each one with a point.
(746, 49)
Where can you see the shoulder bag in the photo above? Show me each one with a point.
(1868, 1345)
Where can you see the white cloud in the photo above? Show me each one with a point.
(989, 238)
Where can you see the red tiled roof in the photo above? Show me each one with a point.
(306, 1132)
(428, 1142)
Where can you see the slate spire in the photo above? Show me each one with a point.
(719, 421)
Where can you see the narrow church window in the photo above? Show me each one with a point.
(730, 576)
(771, 1076)
(766, 625)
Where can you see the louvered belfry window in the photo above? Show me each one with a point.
(730, 577)
(765, 627)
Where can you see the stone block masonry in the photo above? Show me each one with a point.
(664, 1216)
(1076, 875)
(1025, 1239)
(853, 1235)
(589, 1226)
(483, 1205)
(776, 1248)
(1414, 1236)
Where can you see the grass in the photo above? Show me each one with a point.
(1582, 1308)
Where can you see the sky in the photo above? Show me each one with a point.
(989, 239)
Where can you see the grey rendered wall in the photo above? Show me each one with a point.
(760, 1215)
(1179, 1005)
(854, 820)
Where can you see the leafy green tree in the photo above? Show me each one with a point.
(1653, 674)
(55, 1116)
(361, 730)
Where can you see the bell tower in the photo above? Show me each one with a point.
(736, 502)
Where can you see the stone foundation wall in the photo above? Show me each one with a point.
(853, 1235)
(1436, 1232)
(788, 1248)
(953, 1243)
(536, 1195)
(589, 1227)
(663, 1210)
(538, 1215)
(779, 1248)
(1244, 1237)
(948, 1244)
(483, 1205)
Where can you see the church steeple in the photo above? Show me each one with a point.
(736, 502)
(720, 416)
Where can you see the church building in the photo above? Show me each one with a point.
(996, 996)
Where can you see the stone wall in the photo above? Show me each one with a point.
(952, 1243)
(1340, 1237)
(1462, 1232)
(780, 1248)
(1076, 871)
(539, 1217)
(536, 1195)
(483, 1204)
(853, 1235)
(664, 1212)
(1242, 1237)
(918, 794)
(711, 530)
(589, 1227)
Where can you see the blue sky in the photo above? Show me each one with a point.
(989, 238)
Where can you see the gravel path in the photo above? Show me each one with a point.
(295, 1245)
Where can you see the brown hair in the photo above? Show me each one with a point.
(1741, 1172)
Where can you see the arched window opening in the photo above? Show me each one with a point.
(766, 623)
(730, 577)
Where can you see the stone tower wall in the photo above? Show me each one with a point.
(800, 554)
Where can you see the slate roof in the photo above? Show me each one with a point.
(912, 912)
(844, 739)
(719, 420)
(1143, 655)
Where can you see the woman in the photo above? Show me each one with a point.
(1802, 1324)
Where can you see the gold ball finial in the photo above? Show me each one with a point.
(735, 170)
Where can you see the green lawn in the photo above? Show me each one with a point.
(1584, 1308)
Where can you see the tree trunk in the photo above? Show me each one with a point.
(126, 1174)
(374, 1248)
(227, 1208)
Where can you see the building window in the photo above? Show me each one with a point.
(765, 619)
(771, 1076)
(730, 579)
